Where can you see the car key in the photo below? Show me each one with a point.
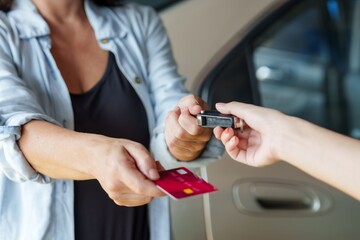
(213, 118)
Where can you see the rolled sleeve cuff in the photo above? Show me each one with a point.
(212, 152)
(12, 162)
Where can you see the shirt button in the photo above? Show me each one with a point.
(137, 80)
(105, 40)
(64, 186)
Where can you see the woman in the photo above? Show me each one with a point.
(271, 136)
(106, 72)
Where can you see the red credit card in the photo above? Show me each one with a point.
(180, 182)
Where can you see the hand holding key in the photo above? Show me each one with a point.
(271, 135)
(253, 145)
(184, 138)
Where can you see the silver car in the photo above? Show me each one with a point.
(299, 56)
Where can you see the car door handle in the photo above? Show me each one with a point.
(280, 197)
(283, 204)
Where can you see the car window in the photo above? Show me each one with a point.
(303, 59)
(302, 64)
(230, 81)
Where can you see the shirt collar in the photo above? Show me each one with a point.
(30, 23)
(27, 19)
(107, 22)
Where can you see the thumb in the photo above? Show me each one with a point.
(235, 108)
(144, 162)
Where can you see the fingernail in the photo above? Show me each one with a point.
(219, 105)
(177, 110)
(154, 174)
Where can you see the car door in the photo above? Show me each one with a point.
(303, 58)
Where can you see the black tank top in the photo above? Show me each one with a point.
(110, 108)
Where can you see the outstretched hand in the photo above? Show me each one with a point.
(126, 172)
(255, 145)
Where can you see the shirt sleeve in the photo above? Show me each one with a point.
(17, 107)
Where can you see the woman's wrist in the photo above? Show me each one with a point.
(96, 148)
(286, 133)
(293, 136)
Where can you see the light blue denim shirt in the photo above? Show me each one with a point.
(34, 206)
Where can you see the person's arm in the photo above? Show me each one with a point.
(33, 146)
(271, 136)
(326, 155)
(125, 169)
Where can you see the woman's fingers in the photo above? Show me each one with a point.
(126, 197)
(132, 177)
(127, 173)
(144, 161)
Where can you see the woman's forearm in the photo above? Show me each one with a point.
(57, 152)
(326, 155)
(125, 169)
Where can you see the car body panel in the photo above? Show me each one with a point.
(203, 33)
(198, 29)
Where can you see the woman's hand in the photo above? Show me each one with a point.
(255, 146)
(126, 171)
(184, 138)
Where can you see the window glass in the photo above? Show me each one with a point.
(303, 64)
(229, 81)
